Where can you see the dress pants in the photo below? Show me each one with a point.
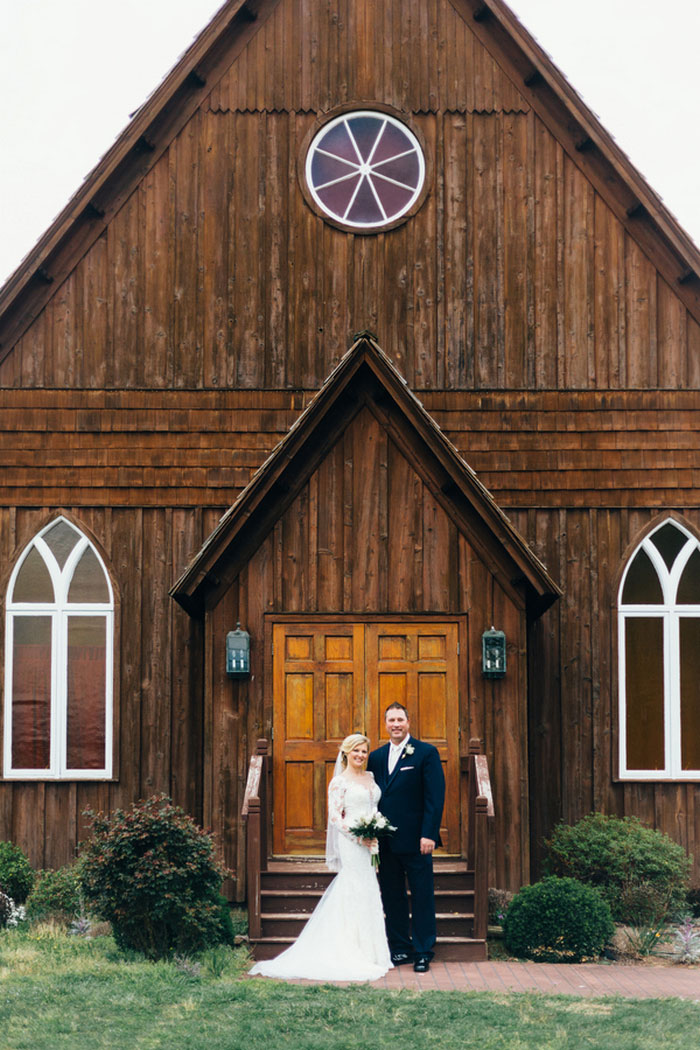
(394, 869)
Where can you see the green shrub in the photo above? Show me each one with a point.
(153, 874)
(618, 856)
(16, 873)
(557, 920)
(56, 894)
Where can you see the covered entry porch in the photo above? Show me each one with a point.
(365, 560)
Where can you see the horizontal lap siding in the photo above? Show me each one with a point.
(122, 448)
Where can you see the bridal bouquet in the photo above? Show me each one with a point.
(373, 828)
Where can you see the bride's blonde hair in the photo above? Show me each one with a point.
(350, 743)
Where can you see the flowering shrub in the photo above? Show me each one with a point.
(499, 903)
(557, 920)
(10, 913)
(686, 943)
(16, 873)
(56, 894)
(153, 874)
(633, 866)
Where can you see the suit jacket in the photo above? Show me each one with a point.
(412, 796)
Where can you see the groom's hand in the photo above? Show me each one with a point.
(427, 845)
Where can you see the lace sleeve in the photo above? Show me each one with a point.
(336, 805)
(337, 824)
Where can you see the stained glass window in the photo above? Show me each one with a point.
(659, 653)
(365, 169)
(58, 692)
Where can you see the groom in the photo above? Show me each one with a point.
(409, 773)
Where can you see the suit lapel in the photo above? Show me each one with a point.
(391, 777)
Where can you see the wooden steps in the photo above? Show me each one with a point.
(290, 888)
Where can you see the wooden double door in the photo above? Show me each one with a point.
(333, 679)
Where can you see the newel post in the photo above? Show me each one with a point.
(254, 813)
(253, 866)
(480, 815)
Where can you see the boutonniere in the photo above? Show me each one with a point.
(408, 750)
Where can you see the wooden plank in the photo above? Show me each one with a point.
(546, 272)
(186, 674)
(578, 277)
(156, 648)
(607, 796)
(405, 532)
(215, 187)
(671, 338)
(422, 234)
(610, 352)
(367, 543)
(486, 251)
(61, 824)
(641, 319)
(459, 308)
(438, 536)
(277, 216)
(295, 578)
(184, 243)
(127, 552)
(517, 264)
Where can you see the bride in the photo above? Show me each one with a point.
(344, 940)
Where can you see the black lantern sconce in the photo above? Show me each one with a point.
(237, 653)
(493, 654)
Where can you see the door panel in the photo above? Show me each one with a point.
(417, 664)
(334, 679)
(318, 676)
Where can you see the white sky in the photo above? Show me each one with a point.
(71, 72)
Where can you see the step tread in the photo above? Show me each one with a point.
(440, 940)
(292, 915)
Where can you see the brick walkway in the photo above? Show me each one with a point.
(586, 979)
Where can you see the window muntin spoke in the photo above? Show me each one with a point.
(370, 180)
(334, 182)
(394, 182)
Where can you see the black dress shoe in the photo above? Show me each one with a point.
(400, 958)
(422, 964)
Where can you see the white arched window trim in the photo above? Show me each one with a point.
(671, 614)
(59, 611)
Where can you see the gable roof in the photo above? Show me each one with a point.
(158, 121)
(364, 376)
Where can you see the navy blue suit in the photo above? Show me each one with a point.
(412, 799)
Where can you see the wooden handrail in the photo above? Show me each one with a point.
(480, 815)
(254, 813)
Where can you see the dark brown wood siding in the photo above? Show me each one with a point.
(158, 746)
(545, 337)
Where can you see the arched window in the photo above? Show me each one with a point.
(58, 662)
(659, 658)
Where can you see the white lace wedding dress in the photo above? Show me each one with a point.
(344, 940)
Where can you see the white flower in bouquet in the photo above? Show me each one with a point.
(373, 828)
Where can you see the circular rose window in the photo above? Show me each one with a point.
(365, 169)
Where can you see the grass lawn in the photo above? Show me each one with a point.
(59, 992)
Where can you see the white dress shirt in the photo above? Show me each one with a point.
(395, 750)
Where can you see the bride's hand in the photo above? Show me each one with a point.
(371, 844)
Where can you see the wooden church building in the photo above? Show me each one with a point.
(367, 338)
